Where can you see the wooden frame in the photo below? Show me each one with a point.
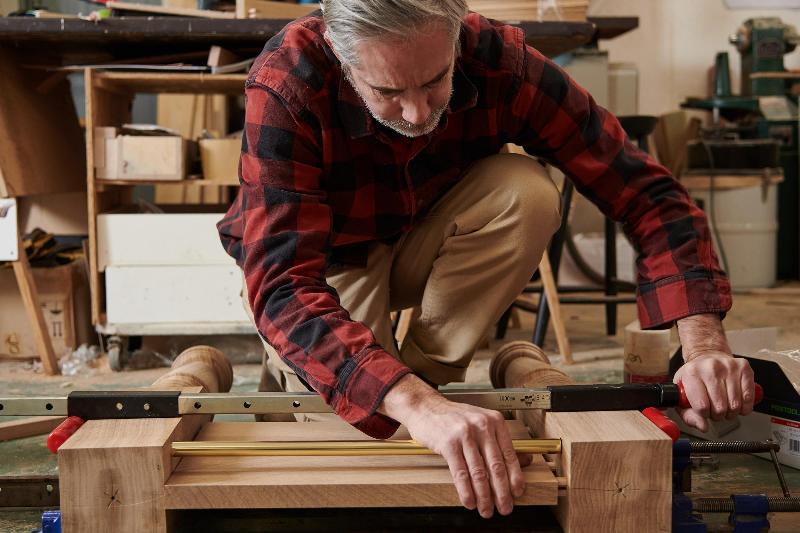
(118, 475)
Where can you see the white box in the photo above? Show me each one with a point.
(178, 294)
(9, 234)
(159, 239)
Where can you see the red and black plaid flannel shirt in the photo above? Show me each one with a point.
(320, 179)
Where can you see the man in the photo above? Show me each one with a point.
(371, 181)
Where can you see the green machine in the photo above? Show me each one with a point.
(765, 109)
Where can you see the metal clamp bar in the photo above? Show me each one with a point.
(167, 404)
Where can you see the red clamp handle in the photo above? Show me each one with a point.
(64, 431)
(662, 422)
(684, 401)
(665, 424)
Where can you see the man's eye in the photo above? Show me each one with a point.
(388, 94)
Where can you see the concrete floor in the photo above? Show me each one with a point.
(598, 357)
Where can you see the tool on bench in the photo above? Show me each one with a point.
(84, 405)
(167, 404)
(747, 512)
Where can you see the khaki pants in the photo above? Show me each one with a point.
(463, 264)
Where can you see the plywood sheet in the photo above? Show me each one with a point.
(314, 482)
(42, 149)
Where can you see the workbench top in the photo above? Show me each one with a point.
(136, 37)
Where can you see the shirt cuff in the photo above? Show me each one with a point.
(661, 303)
(362, 389)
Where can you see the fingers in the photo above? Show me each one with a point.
(461, 476)
(716, 387)
(511, 460)
(734, 392)
(693, 418)
(480, 478)
(696, 393)
(748, 390)
(493, 466)
(718, 398)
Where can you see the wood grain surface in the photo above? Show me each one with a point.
(317, 482)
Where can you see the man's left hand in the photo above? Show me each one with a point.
(717, 385)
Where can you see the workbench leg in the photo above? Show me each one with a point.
(30, 298)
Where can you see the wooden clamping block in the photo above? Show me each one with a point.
(112, 472)
(617, 464)
(120, 476)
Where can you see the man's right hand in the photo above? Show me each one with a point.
(474, 441)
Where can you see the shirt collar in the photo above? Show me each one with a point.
(358, 121)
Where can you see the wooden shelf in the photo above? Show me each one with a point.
(193, 182)
(776, 75)
(159, 82)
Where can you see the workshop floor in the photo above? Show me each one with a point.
(598, 358)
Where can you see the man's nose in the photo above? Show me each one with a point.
(416, 109)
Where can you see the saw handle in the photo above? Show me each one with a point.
(62, 432)
(683, 403)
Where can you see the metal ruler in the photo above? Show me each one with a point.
(169, 404)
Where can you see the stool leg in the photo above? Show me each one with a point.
(502, 324)
(556, 247)
(611, 275)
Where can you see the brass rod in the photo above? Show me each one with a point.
(338, 448)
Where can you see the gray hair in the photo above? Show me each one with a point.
(351, 22)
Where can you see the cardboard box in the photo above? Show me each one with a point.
(777, 417)
(139, 157)
(220, 159)
(64, 297)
